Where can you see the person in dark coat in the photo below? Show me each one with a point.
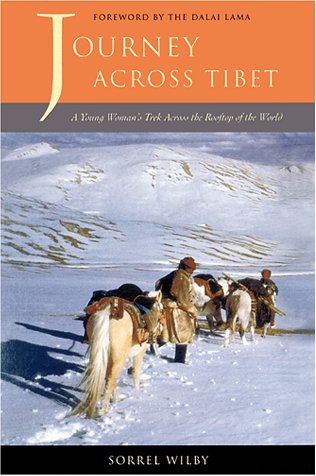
(267, 281)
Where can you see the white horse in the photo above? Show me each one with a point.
(238, 309)
(113, 339)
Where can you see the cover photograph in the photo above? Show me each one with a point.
(157, 237)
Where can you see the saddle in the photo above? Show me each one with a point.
(129, 293)
(129, 298)
(118, 306)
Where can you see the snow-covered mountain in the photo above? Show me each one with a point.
(93, 205)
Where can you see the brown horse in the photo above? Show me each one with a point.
(115, 336)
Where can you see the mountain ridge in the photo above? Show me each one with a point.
(69, 206)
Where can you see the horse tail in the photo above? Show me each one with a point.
(95, 373)
(231, 316)
(234, 310)
(235, 322)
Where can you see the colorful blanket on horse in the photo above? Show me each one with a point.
(127, 292)
(213, 284)
(130, 298)
(117, 308)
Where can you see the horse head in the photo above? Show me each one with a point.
(157, 296)
(151, 304)
(154, 294)
(270, 290)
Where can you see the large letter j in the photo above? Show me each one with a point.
(57, 81)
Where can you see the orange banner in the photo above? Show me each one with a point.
(157, 52)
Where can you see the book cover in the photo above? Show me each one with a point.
(135, 134)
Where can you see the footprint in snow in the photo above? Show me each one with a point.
(172, 374)
(145, 377)
(53, 434)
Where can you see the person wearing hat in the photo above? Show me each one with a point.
(185, 314)
(267, 281)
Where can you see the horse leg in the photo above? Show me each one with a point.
(230, 331)
(227, 338)
(218, 315)
(210, 322)
(272, 321)
(154, 349)
(115, 368)
(264, 330)
(231, 319)
(137, 366)
(252, 321)
(252, 332)
(208, 311)
(242, 334)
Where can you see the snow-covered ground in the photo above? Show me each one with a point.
(85, 212)
(260, 394)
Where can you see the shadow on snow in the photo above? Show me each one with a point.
(28, 365)
(52, 332)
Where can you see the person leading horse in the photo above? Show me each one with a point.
(178, 300)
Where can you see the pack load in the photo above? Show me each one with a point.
(254, 285)
(164, 285)
(128, 292)
(127, 297)
(212, 282)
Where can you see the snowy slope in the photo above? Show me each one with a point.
(80, 213)
(220, 209)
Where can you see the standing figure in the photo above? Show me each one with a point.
(183, 324)
(272, 291)
(180, 311)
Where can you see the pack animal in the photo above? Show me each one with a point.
(113, 337)
(238, 309)
(206, 286)
(265, 298)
